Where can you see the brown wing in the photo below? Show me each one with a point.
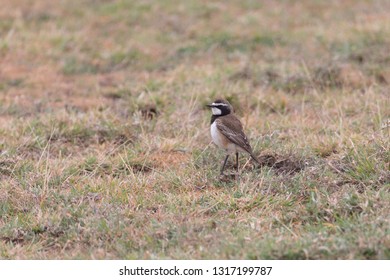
(231, 127)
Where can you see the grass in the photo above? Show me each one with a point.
(105, 150)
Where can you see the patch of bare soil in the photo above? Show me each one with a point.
(141, 168)
(6, 167)
(282, 164)
(149, 111)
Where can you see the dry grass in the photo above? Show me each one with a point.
(104, 145)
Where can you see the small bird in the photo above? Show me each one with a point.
(227, 131)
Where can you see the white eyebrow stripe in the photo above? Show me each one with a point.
(219, 104)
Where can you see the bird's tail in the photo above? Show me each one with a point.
(254, 158)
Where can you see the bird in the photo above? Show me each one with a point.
(227, 132)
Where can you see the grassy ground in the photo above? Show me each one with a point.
(104, 140)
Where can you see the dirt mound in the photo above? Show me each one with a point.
(282, 164)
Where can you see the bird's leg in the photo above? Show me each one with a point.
(237, 173)
(224, 164)
(237, 162)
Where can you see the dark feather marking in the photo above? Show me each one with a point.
(231, 127)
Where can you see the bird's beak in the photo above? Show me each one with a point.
(210, 105)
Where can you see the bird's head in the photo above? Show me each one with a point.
(220, 107)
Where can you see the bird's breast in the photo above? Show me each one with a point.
(222, 142)
(217, 136)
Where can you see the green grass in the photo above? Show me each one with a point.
(105, 150)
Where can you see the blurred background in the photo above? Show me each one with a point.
(56, 53)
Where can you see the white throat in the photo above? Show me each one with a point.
(216, 111)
